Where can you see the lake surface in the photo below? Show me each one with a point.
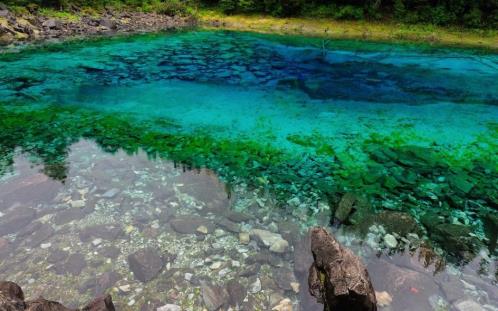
(184, 143)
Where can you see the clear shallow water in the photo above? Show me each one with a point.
(289, 127)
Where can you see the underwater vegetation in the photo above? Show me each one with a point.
(454, 201)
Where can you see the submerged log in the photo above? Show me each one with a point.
(338, 278)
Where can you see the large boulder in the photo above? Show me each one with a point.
(11, 297)
(338, 278)
(146, 264)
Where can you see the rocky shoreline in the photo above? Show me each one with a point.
(19, 28)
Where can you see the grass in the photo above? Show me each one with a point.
(364, 30)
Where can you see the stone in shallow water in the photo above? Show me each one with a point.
(229, 225)
(390, 241)
(146, 264)
(111, 193)
(269, 239)
(69, 215)
(105, 232)
(236, 291)
(189, 224)
(468, 305)
(17, 219)
(75, 264)
(169, 307)
(213, 296)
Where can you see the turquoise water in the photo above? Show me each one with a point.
(281, 128)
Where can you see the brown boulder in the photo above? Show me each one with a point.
(11, 297)
(103, 303)
(338, 278)
(42, 304)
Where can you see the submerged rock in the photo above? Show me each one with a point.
(351, 208)
(12, 299)
(213, 296)
(273, 241)
(338, 278)
(146, 264)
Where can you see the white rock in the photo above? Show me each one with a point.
(188, 276)
(45, 245)
(272, 240)
(390, 241)
(216, 265)
(169, 307)
(244, 238)
(125, 288)
(255, 287)
(284, 305)
(202, 229)
(97, 241)
(468, 305)
(295, 287)
(78, 203)
(383, 299)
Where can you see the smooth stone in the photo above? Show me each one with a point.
(255, 287)
(146, 264)
(111, 193)
(236, 291)
(14, 221)
(269, 239)
(169, 307)
(390, 241)
(214, 297)
(468, 305)
(284, 305)
(75, 264)
(244, 238)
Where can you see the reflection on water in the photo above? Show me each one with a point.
(70, 241)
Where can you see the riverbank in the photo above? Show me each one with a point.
(363, 30)
(42, 25)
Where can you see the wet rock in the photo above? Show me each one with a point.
(390, 241)
(16, 220)
(302, 256)
(337, 277)
(284, 278)
(264, 257)
(255, 286)
(111, 193)
(490, 222)
(283, 305)
(214, 297)
(189, 224)
(269, 239)
(42, 304)
(57, 256)
(238, 217)
(11, 297)
(169, 307)
(456, 239)
(44, 232)
(106, 281)
(383, 299)
(69, 215)
(237, 292)
(351, 209)
(393, 222)
(229, 226)
(110, 252)
(461, 183)
(75, 264)
(5, 248)
(468, 305)
(146, 264)
(105, 232)
(103, 303)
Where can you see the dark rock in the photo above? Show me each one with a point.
(302, 256)
(11, 297)
(491, 229)
(110, 251)
(103, 303)
(16, 220)
(41, 234)
(214, 297)
(75, 264)
(337, 277)
(250, 270)
(455, 239)
(57, 256)
(42, 304)
(350, 205)
(5, 248)
(236, 292)
(106, 232)
(146, 264)
(229, 226)
(461, 183)
(108, 23)
(106, 281)
(394, 222)
(189, 224)
(284, 277)
(264, 257)
(238, 217)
